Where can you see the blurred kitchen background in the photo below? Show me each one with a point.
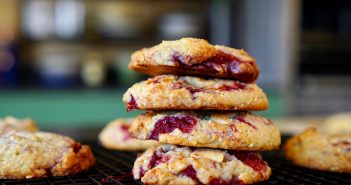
(64, 62)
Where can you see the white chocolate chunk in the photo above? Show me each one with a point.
(217, 156)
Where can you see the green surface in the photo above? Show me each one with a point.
(277, 106)
(65, 108)
(77, 108)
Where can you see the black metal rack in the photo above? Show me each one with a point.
(118, 164)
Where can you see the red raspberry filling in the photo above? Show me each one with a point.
(193, 90)
(233, 127)
(141, 172)
(344, 144)
(169, 123)
(153, 81)
(127, 135)
(190, 172)
(234, 86)
(155, 160)
(268, 121)
(132, 104)
(251, 159)
(183, 84)
(243, 120)
(221, 62)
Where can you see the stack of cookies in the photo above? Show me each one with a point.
(197, 107)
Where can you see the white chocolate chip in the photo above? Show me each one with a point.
(208, 153)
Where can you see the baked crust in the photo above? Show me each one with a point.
(191, 56)
(177, 165)
(26, 155)
(116, 136)
(226, 130)
(10, 123)
(321, 151)
(170, 92)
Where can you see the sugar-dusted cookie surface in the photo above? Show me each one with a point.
(171, 92)
(171, 164)
(191, 56)
(25, 155)
(226, 130)
(316, 150)
(116, 136)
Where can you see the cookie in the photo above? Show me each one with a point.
(170, 92)
(190, 56)
(116, 136)
(178, 165)
(10, 123)
(338, 123)
(321, 151)
(25, 155)
(226, 130)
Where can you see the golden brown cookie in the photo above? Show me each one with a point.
(170, 92)
(116, 136)
(178, 165)
(226, 130)
(10, 123)
(25, 155)
(316, 150)
(191, 56)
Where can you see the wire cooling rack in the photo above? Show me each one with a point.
(119, 165)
